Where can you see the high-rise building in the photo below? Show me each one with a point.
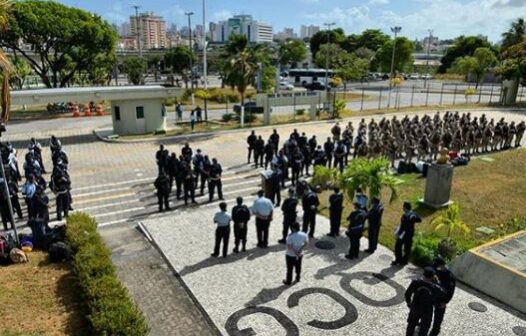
(125, 29)
(255, 31)
(308, 31)
(151, 30)
(198, 31)
(286, 34)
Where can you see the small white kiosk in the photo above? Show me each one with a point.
(134, 109)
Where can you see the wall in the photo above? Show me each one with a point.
(128, 124)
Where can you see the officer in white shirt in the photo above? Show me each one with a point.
(263, 209)
(296, 243)
(222, 220)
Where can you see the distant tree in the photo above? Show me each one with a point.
(365, 53)
(178, 59)
(67, 40)
(463, 46)
(242, 68)
(403, 55)
(482, 60)
(5, 65)
(292, 53)
(337, 36)
(335, 53)
(135, 69)
(352, 68)
(21, 70)
(514, 35)
(514, 64)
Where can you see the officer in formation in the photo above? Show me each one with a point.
(404, 235)
(447, 281)
(335, 212)
(263, 210)
(240, 217)
(162, 184)
(421, 297)
(289, 214)
(355, 230)
(297, 241)
(310, 204)
(189, 172)
(222, 220)
(374, 217)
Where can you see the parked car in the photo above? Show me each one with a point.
(316, 86)
(414, 76)
(250, 107)
(385, 76)
(286, 86)
(427, 76)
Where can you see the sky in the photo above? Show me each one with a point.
(446, 18)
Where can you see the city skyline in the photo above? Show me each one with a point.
(447, 18)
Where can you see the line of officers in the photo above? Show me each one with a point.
(35, 185)
(189, 171)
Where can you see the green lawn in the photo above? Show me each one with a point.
(490, 194)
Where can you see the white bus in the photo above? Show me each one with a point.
(301, 77)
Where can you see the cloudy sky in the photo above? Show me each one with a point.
(447, 18)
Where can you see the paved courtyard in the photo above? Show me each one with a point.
(243, 294)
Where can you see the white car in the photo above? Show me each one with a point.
(286, 86)
(414, 76)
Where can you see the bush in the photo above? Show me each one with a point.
(227, 117)
(300, 112)
(425, 249)
(111, 310)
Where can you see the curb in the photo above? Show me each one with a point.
(187, 137)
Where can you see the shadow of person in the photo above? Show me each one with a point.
(339, 263)
(266, 295)
(250, 254)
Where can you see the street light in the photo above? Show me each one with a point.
(328, 25)
(138, 29)
(189, 14)
(205, 65)
(427, 58)
(395, 30)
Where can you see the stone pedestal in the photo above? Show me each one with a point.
(438, 185)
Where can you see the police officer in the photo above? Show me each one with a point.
(222, 220)
(275, 180)
(251, 142)
(328, 147)
(187, 152)
(313, 143)
(404, 235)
(188, 183)
(274, 139)
(162, 184)
(240, 217)
(15, 202)
(335, 210)
(197, 161)
(307, 160)
(296, 165)
(173, 167)
(374, 216)
(60, 184)
(180, 176)
(310, 203)
(355, 230)
(339, 155)
(320, 159)
(215, 180)
(259, 150)
(269, 153)
(421, 296)
(159, 157)
(289, 214)
(205, 173)
(361, 199)
(448, 283)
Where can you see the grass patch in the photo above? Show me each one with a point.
(490, 194)
(40, 298)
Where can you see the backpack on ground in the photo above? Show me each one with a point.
(18, 256)
(58, 252)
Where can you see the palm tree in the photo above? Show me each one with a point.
(515, 34)
(451, 220)
(371, 176)
(5, 66)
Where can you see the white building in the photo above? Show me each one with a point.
(286, 34)
(308, 31)
(255, 31)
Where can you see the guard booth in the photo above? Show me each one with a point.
(308, 98)
(134, 109)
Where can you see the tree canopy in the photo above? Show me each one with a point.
(515, 34)
(292, 52)
(135, 68)
(514, 64)
(403, 54)
(67, 40)
(463, 46)
(372, 39)
(482, 60)
(337, 36)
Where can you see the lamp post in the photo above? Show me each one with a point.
(205, 64)
(189, 14)
(328, 25)
(427, 57)
(138, 29)
(395, 30)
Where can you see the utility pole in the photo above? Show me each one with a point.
(189, 14)
(395, 30)
(138, 29)
(427, 58)
(205, 64)
(328, 25)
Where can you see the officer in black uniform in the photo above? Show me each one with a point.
(404, 235)
(448, 283)
(197, 161)
(275, 180)
(259, 150)
(187, 152)
(313, 143)
(215, 180)
(296, 165)
(421, 296)
(289, 214)
(180, 176)
(307, 160)
(15, 202)
(274, 139)
(173, 167)
(162, 184)
(320, 159)
(269, 153)
(240, 217)
(188, 183)
(159, 157)
(374, 216)
(329, 151)
(335, 210)
(205, 173)
(310, 203)
(251, 142)
(339, 155)
(354, 232)
(61, 183)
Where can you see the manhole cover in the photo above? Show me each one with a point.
(325, 245)
(479, 307)
(519, 331)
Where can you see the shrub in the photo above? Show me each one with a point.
(227, 117)
(425, 249)
(111, 310)
(232, 97)
(300, 112)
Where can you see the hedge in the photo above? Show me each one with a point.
(111, 310)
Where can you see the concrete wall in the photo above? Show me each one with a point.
(129, 124)
(499, 282)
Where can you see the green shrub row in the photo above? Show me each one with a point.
(111, 310)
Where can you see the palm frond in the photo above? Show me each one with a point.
(5, 5)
